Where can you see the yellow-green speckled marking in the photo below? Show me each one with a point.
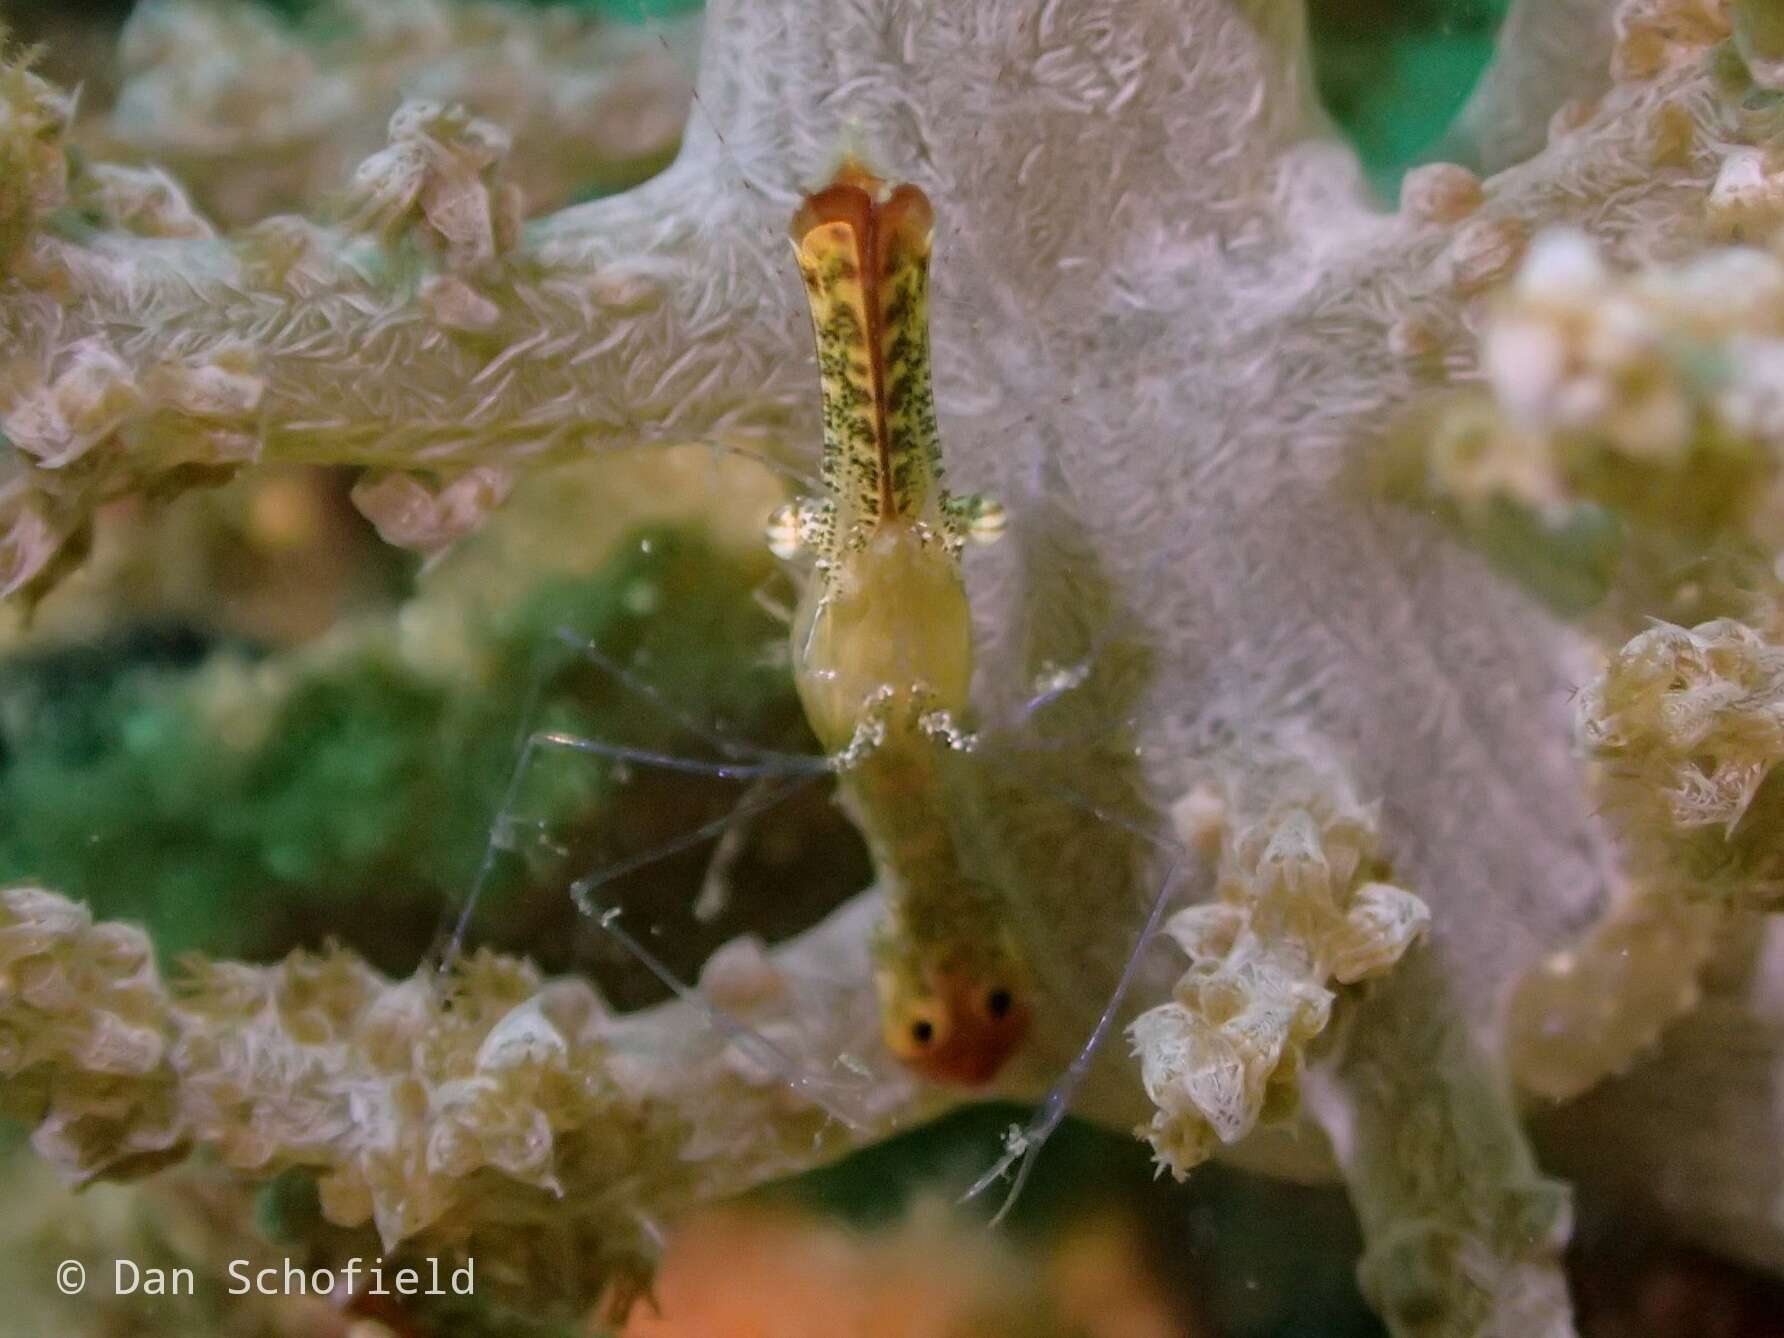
(865, 260)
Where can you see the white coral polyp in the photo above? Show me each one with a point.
(426, 516)
(1297, 911)
(1567, 352)
(1692, 718)
(65, 417)
(442, 173)
(1747, 201)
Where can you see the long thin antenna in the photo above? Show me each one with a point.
(1026, 1142)
(523, 753)
(645, 20)
(748, 807)
(734, 748)
(747, 762)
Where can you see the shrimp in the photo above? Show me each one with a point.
(881, 651)
(881, 637)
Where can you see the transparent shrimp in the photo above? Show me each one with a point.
(881, 643)
(882, 661)
(881, 638)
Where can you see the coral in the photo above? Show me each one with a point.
(487, 1115)
(142, 201)
(1702, 1101)
(1463, 1232)
(1623, 451)
(1302, 904)
(1688, 724)
(1167, 321)
(1440, 193)
(1561, 69)
(192, 1220)
(263, 114)
(439, 181)
(86, 1042)
(1598, 1005)
(36, 117)
(1653, 394)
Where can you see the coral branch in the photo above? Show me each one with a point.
(492, 1115)
(1675, 1137)
(1595, 1008)
(658, 315)
(1689, 726)
(142, 362)
(261, 115)
(1657, 395)
(997, 102)
(1463, 1235)
(1550, 52)
(1684, 725)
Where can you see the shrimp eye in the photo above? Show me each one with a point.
(925, 1027)
(998, 1003)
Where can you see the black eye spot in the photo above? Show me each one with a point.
(998, 1003)
(922, 1032)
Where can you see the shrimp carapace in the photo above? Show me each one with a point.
(884, 618)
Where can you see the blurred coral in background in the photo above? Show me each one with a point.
(760, 1273)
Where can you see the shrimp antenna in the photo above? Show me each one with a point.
(521, 749)
(1025, 1143)
(650, 692)
(796, 770)
(746, 762)
(759, 801)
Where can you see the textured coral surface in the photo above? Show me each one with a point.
(1170, 326)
